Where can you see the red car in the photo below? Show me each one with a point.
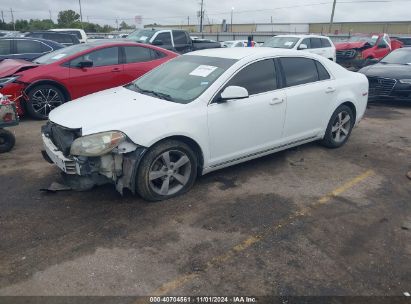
(72, 72)
(360, 48)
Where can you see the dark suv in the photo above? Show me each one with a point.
(62, 38)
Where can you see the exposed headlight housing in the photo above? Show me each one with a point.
(407, 81)
(7, 80)
(97, 144)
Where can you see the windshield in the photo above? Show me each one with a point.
(182, 79)
(141, 35)
(63, 53)
(398, 57)
(370, 39)
(281, 42)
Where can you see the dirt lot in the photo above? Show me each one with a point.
(307, 221)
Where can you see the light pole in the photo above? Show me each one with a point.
(332, 17)
(81, 13)
(232, 11)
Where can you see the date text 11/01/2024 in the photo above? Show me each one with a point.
(239, 299)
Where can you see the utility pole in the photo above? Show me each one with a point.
(201, 16)
(188, 20)
(12, 19)
(2, 17)
(332, 17)
(50, 15)
(232, 11)
(81, 13)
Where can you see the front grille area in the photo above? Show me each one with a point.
(346, 54)
(61, 137)
(381, 86)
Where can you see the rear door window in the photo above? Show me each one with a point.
(180, 37)
(258, 77)
(315, 43)
(165, 38)
(5, 47)
(137, 54)
(325, 43)
(322, 72)
(299, 70)
(29, 47)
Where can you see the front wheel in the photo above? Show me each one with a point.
(168, 169)
(43, 99)
(339, 127)
(7, 141)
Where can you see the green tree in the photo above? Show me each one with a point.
(125, 26)
(67, 18)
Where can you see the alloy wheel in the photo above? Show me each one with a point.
(44, 100)
(341, 127)
(169, 172)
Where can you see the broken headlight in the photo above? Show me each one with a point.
(97, 144)
(7, 80)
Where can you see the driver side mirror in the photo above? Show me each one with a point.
(233, 92)
(303, 46)
(157, 42)
(85, 64)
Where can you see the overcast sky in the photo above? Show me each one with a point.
(177, 11)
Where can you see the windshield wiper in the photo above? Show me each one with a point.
(157, 94)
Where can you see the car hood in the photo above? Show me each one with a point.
(395, 71)
(12, 66)
(350, 45)
(114, 109)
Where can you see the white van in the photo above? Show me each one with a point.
(320, 45)
(79, 33)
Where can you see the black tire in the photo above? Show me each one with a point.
(153, 165)
(331, 140)
(42, 99)
(7, 141)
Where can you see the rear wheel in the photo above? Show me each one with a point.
(7, 141)
(168, 169)
(43, 99)
(339, 127)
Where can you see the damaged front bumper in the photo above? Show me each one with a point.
(83, 173)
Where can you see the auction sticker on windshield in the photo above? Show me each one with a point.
(203, 70)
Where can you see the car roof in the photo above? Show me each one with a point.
(240, 53)
(66, 29)
(303, 36)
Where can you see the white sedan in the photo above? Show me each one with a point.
(201, 112)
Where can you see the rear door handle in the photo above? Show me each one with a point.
(276, 101)
(330, 90)
(116, 70)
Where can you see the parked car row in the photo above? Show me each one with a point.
(199, 107)
(75, 71)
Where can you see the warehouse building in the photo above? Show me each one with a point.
(390, 27)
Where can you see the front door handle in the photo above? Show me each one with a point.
(116, 70)
(276, 101)
(330, 90)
